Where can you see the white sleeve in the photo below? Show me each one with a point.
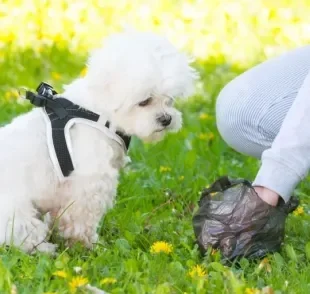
(287, 161)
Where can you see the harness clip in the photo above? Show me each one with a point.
(45, 97)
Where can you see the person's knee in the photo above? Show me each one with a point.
(229, 113)
(236, 120)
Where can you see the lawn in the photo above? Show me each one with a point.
(157, 197)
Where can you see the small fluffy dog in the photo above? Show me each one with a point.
(132, 81)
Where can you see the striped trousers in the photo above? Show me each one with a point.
(265, 113)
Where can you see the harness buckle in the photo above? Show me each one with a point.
(45, 97)
(46, 90)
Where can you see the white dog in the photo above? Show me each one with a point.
(132, 81)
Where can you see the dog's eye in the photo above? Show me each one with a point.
(146, 102)
(169, 102)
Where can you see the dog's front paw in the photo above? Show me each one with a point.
(87, 241)
(90, 241)
(46, 247)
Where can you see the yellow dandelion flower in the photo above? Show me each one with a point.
(55, 75)
(56, 38)
(7, 95)
(164, 169)
(61, 274)
(11, 94)
(197, 271)
(181, 178)
(83, 72)
(299, 211)
(206, 136)
(106, 281)
(7, 38)
(77, 282)
(205, 116)
(161, 246)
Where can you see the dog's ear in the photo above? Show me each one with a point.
(108, 93)
(103, 79)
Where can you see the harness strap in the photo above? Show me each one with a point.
(58, 130)
(60, 115)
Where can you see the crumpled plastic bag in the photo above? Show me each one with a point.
(232, 218)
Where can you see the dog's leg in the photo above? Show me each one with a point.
(79, 219)
(79, 222)
(21, 227)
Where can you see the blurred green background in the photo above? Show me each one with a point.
(49, 40)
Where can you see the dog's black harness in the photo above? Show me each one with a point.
(60, 112)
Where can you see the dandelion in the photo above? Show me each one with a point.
(206, 136)
(7, 95)
(11, 94)
(56, 76)
(57, 38)
(197, 271)
(8, 38)
(83, 72)
(77, 282)
(181, 178)
(299, 211)
(205, 116)
(61, 274)
(108, 280)
(161, 246)
(164, 169)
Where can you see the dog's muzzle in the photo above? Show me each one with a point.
(164, 120)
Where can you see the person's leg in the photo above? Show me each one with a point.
(265, 112)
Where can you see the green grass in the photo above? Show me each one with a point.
(152, 205)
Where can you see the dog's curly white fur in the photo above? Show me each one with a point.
(132, 80)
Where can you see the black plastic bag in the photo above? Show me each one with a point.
(232, 218)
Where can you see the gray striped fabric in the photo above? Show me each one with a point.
(251, 108)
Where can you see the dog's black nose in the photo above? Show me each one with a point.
(165, 120)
